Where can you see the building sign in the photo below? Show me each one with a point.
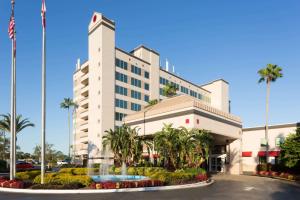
(263, 142)
(278, 141)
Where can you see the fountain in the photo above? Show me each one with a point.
(104, 171)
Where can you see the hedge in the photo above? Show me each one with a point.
(27, 175)
(64, 179)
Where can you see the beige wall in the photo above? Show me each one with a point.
(251, 141)
(219, 94)
(101, 74)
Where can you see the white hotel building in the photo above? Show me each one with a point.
(113, 84)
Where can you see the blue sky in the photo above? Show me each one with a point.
(205, 40)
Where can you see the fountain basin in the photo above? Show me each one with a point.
(117, 178)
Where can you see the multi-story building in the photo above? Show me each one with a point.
(114, 83)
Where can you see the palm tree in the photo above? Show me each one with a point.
(152, 102)
(269, 74)
(169, 90)
(126, 144)
(20, 123)
(168, 144)
(68, 103)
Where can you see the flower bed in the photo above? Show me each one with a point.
(75, 178)
(126, 184)
(11, 183)
(281, 175)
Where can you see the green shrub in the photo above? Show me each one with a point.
(28, 175)
(195, 171)
(70, 179)
(66, 170)
(131, 171)
(78, 171)
(48, 178)
(3, 166)
(177, 177)
(64, 178)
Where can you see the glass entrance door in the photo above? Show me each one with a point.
(217, 163)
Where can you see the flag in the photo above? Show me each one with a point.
(43, 14)
(11, 28)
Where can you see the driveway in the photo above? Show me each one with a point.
(226, 187)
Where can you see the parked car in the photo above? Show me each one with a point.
(22, 166)
(63, 162)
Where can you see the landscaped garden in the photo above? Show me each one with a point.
(180, 153)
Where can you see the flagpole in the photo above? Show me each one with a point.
(15, 107)
(43, 98)
(13, 99)
(12, 115)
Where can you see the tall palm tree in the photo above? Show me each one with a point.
(170, 90)
(68, 104)
(20, 123)
(269, 74)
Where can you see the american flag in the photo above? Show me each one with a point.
(11, 28)
(43, 13)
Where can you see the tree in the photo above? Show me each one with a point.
(170, 90)
(152, 102)
(181, 147)
(168, 144)
(4, 146)
(269, 74)
(20, 123)
(68, 103)
(290, 150)
(51, 156)
(125, 143)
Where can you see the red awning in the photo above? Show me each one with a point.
(271, 153)
(246, 153)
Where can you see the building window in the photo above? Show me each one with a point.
(279, 141)
(136, 82)
(121, 90)
(119, 116)
(184, 90)
(146, 86)
(135, 95)
(136, 70)
(161, 91)
(176, 85)
(200, 96)
(135, 107)
(146, 98)
(163, 81)
(121, 103)
(147, 75)
(121, 77)
(193, 93)
(122, 64)
(187, 121)
(198, 121)
(263, 142)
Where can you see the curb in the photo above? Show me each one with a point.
(92, 191)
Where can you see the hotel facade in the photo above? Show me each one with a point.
(114, 83)
(113, 87)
